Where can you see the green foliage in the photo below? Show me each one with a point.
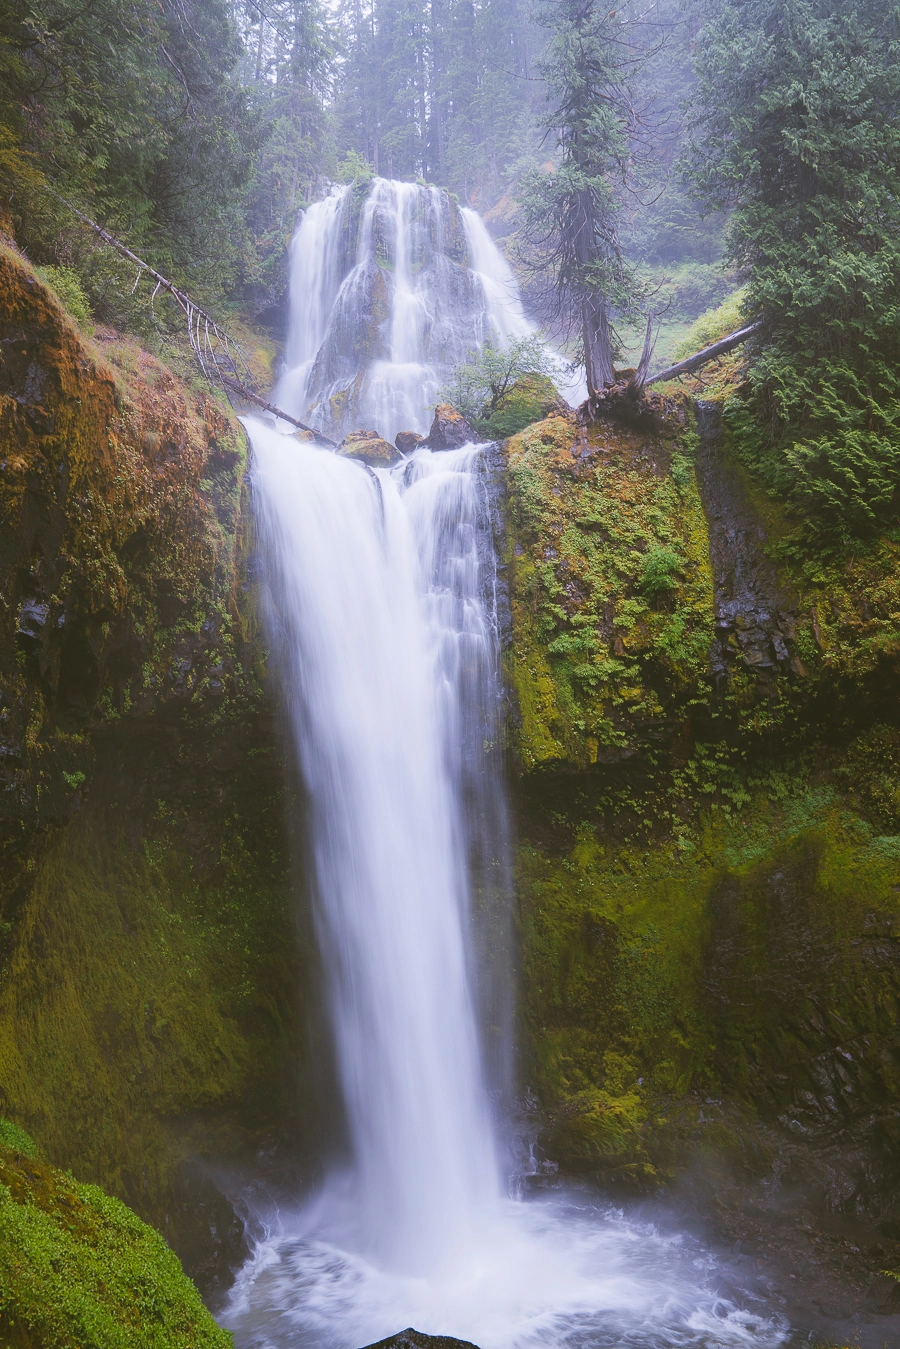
(353, 167)
(17, 1140)
(78, 1270)
(715, 323)
(68, 287)
(871, 768)
(794, 127)
(134, 114)
(660, 571)
(482, 388)
(570, 215)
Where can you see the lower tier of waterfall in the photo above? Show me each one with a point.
(380, 586)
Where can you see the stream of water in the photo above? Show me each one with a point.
(381, 590)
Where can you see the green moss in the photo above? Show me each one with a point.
(611, 590)
(145, 990)
(78, 1270)
(713, 324)
(734, 968)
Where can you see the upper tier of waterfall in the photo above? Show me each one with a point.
(392, 284)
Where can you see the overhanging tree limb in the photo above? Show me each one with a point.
(709, 353)
(221, 359)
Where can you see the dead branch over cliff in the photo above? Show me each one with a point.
(220, 358)
(691, 363)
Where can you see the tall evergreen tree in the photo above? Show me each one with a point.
(796, 129)
(571, 214)
(135, 113)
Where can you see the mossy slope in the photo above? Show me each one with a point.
(78, 1270)
(708, 861)
(760, 967)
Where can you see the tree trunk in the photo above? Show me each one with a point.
(598, 359)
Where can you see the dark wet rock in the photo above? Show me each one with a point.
(755, 617)
(368, 447)
(407, 441)
(33, 617)
(415, 1339)
(449, 430)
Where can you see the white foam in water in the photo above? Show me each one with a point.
(380, 586)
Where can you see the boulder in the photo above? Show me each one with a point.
(407, 441)
(416, 1339)
(449, 429)
(369, 448)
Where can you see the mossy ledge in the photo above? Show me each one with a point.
(78, 1270)
(148, 944)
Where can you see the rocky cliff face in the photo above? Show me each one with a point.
(709, 855)
(148, 1014)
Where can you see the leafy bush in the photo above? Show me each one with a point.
(495, 388)
(70, 291)
(660, 572)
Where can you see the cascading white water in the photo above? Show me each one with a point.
(381, 620)
(380, 585)
(387, 295)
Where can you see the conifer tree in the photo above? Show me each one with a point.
(796, 130)
(571, 213)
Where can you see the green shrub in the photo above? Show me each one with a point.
(660, 572)
(16, 1139)
(69, 291)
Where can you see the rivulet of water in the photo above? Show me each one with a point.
(381, 593)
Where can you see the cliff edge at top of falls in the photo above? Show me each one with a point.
(148, 1008)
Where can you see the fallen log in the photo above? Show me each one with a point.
(691, 363)
(241, 392)
(218, 354)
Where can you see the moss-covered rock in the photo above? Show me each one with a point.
(148, 1009)
(369, 448)
(79, 1270)
(610, 588)
(755, 966)
(708, 865)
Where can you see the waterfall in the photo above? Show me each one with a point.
(389, 290)
(381, 586)
(386, 646)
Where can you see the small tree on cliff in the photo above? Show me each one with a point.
(570, 214)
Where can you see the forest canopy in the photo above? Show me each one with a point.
(607, 148)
